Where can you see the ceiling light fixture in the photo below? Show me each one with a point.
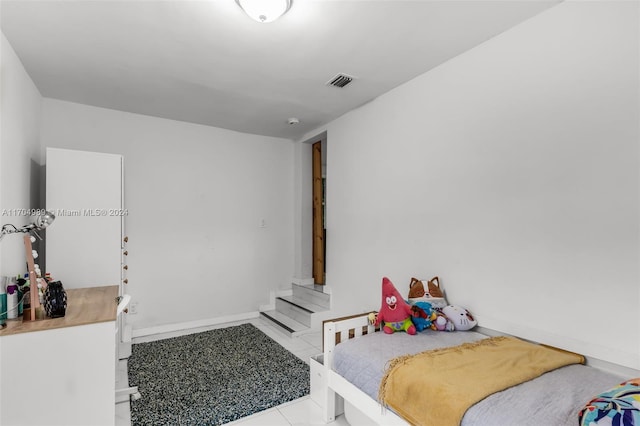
(265, 10)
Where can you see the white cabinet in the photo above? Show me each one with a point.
(61, 371)
(61, 377)
(85, 245)
(85, 192)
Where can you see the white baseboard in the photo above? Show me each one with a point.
(272, 299)
(168, 328)
(284, 292)
(303, 281)
(272, 303)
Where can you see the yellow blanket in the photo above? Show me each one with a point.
(437, 387)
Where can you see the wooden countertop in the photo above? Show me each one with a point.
(84, 306)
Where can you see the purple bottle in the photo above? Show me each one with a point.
(12, 301)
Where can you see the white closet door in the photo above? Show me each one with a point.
(84, 191)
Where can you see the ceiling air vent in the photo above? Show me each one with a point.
(340, 80)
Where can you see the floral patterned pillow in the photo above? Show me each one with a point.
(619, 406)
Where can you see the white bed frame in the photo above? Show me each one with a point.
(343, 329)
(334, 332)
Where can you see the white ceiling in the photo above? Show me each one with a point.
(207, 62)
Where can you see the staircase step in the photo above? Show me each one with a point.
(285, 323)
(312, 294)
(298, 309)
(303, 304)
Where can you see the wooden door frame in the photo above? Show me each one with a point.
(318, 216)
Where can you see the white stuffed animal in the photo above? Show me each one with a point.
(460, 317)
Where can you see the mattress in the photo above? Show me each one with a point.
(553, 399)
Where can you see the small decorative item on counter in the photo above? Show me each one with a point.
(41, 291)
(24, 295)
(40, 313)
(12, 301)
(55, 300)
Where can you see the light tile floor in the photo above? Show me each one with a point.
(301, 412)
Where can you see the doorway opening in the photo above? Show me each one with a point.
(318, 226)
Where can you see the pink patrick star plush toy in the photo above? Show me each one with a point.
(394, 313)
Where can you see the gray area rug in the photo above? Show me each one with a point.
(213, 377)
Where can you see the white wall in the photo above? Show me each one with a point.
(512, 172)
(303, 202)
(195, 196)
(20, 114)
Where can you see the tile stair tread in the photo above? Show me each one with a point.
(312, 295)
(304, 304)
(311, 288)
(315, 287)
(286, 320)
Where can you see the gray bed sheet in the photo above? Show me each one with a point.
(553, 399)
